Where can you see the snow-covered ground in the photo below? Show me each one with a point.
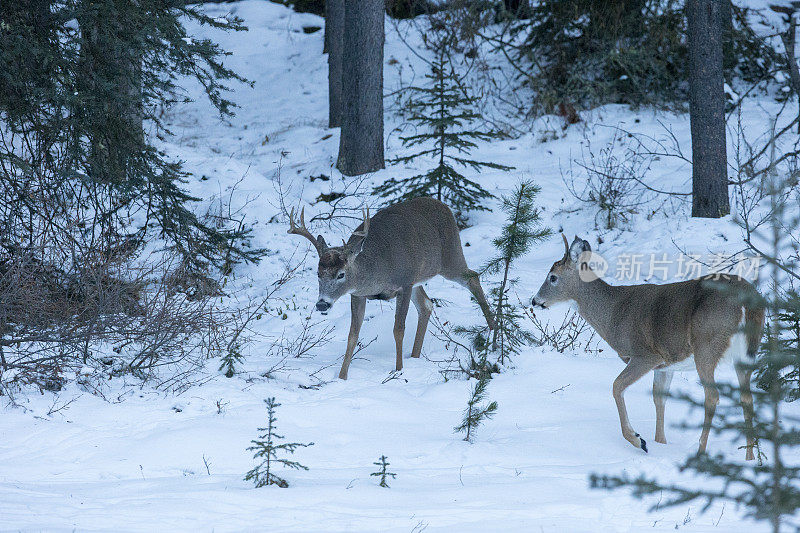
(144, 459)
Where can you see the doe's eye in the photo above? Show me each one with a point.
(553, 278)
(340, 276)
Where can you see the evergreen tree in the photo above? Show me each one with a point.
(229, 361)
(521, 231)
(475, 413)
(383, 473)
(443, 114)
(788, 321)
(79, 79)
(267, 449)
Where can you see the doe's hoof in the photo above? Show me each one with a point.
(642, 443)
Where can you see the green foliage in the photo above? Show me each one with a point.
(81, 82)
(230, 359)
(383, 473)
(634, 52)
(787, 320)
(267, 450)
(475, 413)
(521, 231)
(443, 114)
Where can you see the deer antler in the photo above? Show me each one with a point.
(365, 229)
(303, 231)
(566, 245)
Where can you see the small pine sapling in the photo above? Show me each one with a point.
(522, 230)
(267, 450)
(383, 473)
(443, 113)
(475, 413)
(229, 361)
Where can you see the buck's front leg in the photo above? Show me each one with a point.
(636, 368)
(403, 299)
(357, 306)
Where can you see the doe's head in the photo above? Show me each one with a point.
(335, 271)
(563, 281)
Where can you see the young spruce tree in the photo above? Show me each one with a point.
(443, 116)
(267, 449)
(475, 413)
(521, 231)
(383, 473)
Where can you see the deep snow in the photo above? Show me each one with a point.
(140, 463)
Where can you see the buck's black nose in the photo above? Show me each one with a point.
(323, 306)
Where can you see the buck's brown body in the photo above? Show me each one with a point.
(391, 255)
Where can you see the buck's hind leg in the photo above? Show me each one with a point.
(403, 299)
(424, 307)
(636, 368)
(662, 378)
(357, 306)
(469, 279)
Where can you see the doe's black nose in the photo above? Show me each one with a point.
(323, 305)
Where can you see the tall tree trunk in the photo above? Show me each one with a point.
(334, 30)
(325, 38)
(361, 141)
(707, 109)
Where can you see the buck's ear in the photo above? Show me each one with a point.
(577, 247)
(321, 241)
(355, 245)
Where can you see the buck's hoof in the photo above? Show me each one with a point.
(642, 443)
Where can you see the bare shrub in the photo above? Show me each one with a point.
(571, 334)
(106, 318)
(609, 180)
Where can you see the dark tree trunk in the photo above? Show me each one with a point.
(361, 141)
(519, 8)
(325, 38)
(334, 29)
(707, 109)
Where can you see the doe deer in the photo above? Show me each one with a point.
(652, 327)
(392, 255)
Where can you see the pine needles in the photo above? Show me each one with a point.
(267, 450)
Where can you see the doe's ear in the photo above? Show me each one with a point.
(577, 247)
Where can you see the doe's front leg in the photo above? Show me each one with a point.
(635, 369)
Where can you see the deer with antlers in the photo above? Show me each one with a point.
(653, 327)
(391, 255)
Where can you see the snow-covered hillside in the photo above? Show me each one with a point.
(146, 459)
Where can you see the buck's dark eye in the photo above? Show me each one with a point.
(553, 278)
(340, 276)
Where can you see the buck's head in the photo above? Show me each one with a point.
(564, 279)
(335, 270)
